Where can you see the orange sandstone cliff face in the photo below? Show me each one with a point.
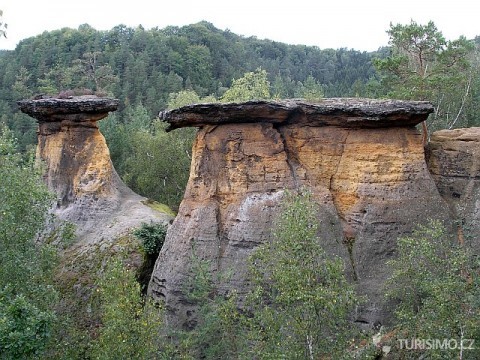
(79, 171)
(362, 159)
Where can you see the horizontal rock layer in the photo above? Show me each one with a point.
(75, 108)
(362, 159)
(344, 112)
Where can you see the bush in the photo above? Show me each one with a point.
(25, 330)
(159, 163)
(298, 307)
(152, 237)
(436, 284)
(27, 295)
(131, 325)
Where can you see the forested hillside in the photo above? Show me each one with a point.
(141, 66)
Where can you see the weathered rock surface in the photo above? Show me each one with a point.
(453, 158)
(79, 170)
(90, 194)
(346, 112)
(362, 159)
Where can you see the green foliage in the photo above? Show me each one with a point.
(436, 284)
(131, 326)
(25, 329)
(252, 86)
(119, 134)
(26, 268)
(159, 163)
(219, 335)
(23, 212)
(141, 66)
(152, 237)
(187, 97)
(424, 66)
(297, 308)
(94, 73)
(310, 90)
(218, 328)
(182, 98)
(151, 161)
(21, 88)
(301, 300)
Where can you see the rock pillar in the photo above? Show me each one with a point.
(362, 159)
(78, 169)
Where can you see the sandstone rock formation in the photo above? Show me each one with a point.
(453, 158)
(90, 194)
(79, 170)
(362, 159)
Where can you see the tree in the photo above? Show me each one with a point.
(284, 87)
(187, 97)
(219, 332)
(27, 295)
(198, 65)
(436, 285)
(151, 161)
(120, 134)
(252, 86)
(182, 98)
(21, 89)
(159, 162)
(301, 299)
(145, 66)
(310, 90)
(59, 78)
(100, 75)
(424, 66)
(131, 326)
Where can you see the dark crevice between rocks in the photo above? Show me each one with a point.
(349, 242)
(221, 237)
(292, 160)
(144, 273)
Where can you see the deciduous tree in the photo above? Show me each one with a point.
(424, 66)
(435, 282)
(252, 86)
(27, 296)
(301, 299)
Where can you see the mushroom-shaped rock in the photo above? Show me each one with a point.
(362, 159)
(79, 170)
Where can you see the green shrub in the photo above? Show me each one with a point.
(152, 237)
(25, 329)
(131, 325)
(27, 294)
(436, 284)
